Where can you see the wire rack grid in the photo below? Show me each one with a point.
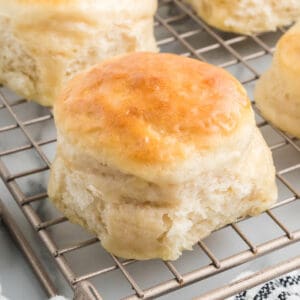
(27, 143)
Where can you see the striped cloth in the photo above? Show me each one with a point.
(286, 287)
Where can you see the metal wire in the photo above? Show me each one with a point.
(80, 283)
(25, 247)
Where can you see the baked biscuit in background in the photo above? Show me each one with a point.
(247, 16)
(277, 92)
(155, 151)
(44, 43)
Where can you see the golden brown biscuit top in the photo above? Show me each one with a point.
(51, 2)
(149, 108)
(288, 49)
(19, 4)
(130, 7)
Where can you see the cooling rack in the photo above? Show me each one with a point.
(27, 146)
(14, 230)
